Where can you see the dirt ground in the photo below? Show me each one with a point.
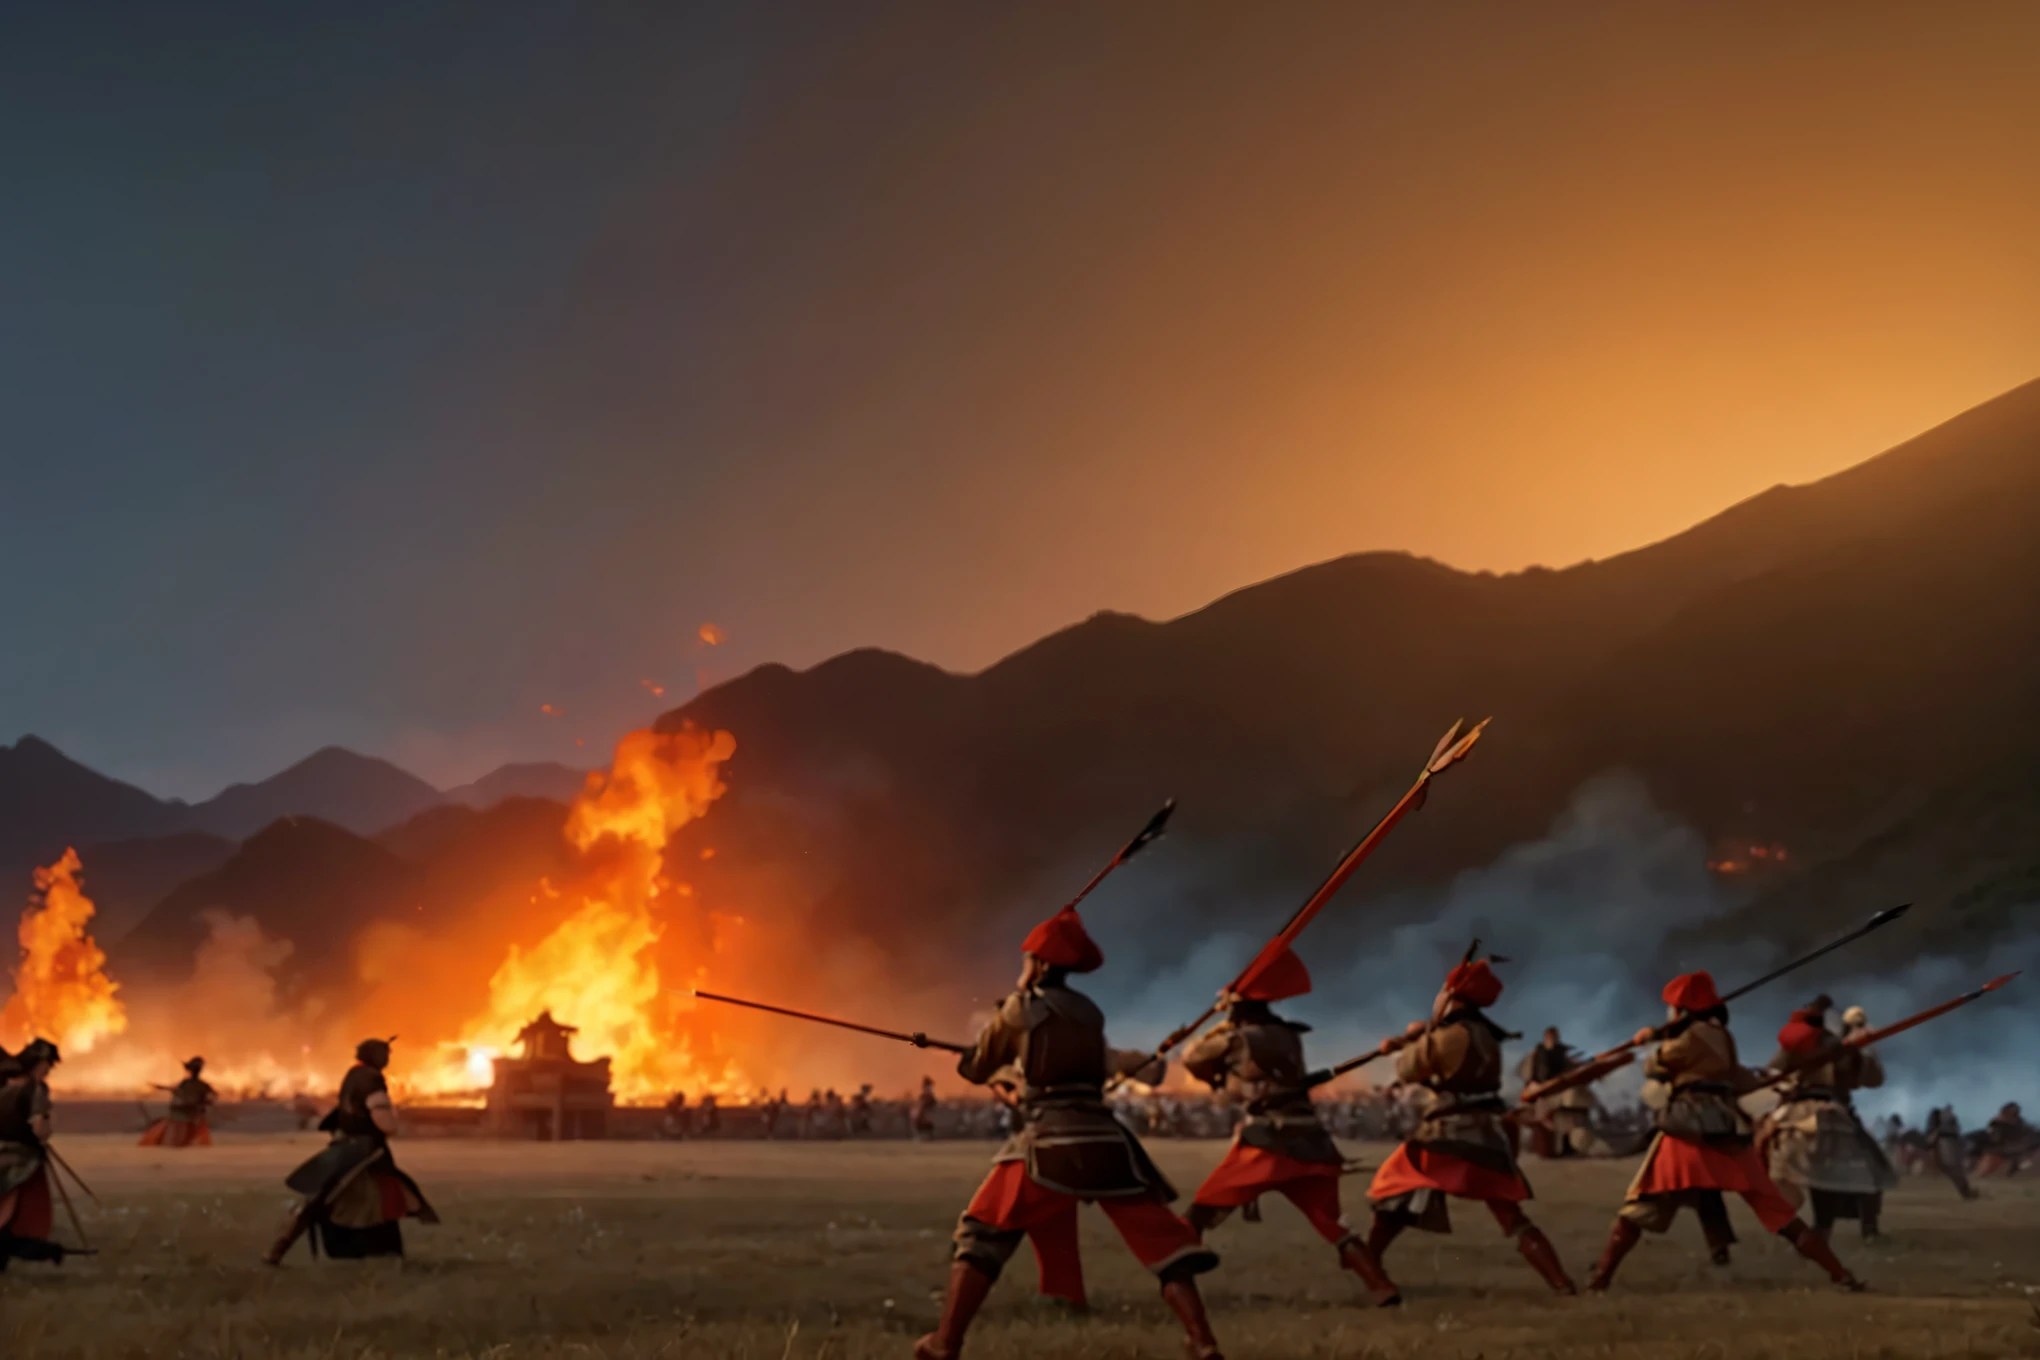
(837, 1251)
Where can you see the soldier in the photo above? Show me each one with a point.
(1462, 1147)
(1562, 1126)
(1256, 1058)
(1704, 1144)
(1950, 1152)
(1816, 1146)
(354, 1197)
(711, 1115)
(769, 1107)
(811, 1115)
(677, 1121)
(1069, 1150)
(924, 1111)
(185, 1125)
(2007, 1142)
(27, 1215)
(860, 1112)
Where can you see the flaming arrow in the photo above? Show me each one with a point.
(1450, 750)
(1864, 1038)
(1599, 1065)
(915, 1037)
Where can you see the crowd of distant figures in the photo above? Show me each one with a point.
(2005, 1145)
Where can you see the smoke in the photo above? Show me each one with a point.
(1583, 917)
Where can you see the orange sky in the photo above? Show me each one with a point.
(534, 346)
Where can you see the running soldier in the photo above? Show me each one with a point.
(1815, 1144)
(1070, 1149)
(354, 1197)
(1704, 1145)
(1950, 1151)
(924, 1111)
(185, 1125)
(1462, 1148)
(1256, 1058)
(1560, 1124)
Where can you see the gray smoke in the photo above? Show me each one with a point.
(1583, 916)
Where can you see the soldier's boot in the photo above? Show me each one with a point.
(1198, 1342)
(1622, 1239)
(293, 1228)
(1354, 1256)
(1715, 1227)
(967, 1289)
(1814, 1248)
(1543, 1258)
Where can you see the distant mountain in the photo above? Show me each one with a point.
(49, 801)
(1815, 667)
(126, 879)
(361, 793)
(539, 779)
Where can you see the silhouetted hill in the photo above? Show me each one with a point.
(126, 879)
(1815, 666)
(49, 801)
(357, 792)
(538, 779)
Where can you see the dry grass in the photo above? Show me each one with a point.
(784, 1251)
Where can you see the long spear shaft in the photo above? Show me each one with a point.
(1864, 1038)
(1146, 836)
(77, 1225)
(1450, 750)
(915, 1037)
(70, 1171)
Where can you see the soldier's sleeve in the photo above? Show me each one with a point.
(998, 1044)
(1417, 1061)
(1670, 1058)
(1207, 1059)
(1870, 1068)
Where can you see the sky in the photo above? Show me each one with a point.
(379, 374)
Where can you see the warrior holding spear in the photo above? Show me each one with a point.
(1814, 1141)
(27, 1212)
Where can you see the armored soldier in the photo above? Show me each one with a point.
(185, 1125)
(1950, 1152)
(1816, 1145)
(1705, 1144)
(1462, 1148)
(27, 1215)
(1561, 1124)
(1256, 1058)
(924, 1111)
(354, 1197)
(1069, 1150)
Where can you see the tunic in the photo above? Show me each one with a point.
(1463, 1145)
(1259, 1065)
(1704, 1141)
(1068, 1139)
(1815, 1140)
(25, 1205)
(354, 1192)
(185, 1125)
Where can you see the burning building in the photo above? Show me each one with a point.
(547, 1093)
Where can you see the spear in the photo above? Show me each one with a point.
(1592, 1069)
(1146, 836)
(1864, 1038)
(1450, 750)
(915, 1037)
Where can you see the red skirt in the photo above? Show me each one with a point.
(1675, 1164)
(1405, 1173)
(1247, 1173)
(26, 1210)
(177, 1133)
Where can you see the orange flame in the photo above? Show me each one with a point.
(61, 991)
(596, 970)
(710, 634)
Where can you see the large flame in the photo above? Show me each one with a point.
(61, 990)
(597, 969)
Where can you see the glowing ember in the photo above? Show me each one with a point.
(711, 634)
(61, 991)
(655, 690)
(1750, 858)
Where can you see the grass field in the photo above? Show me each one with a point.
(775, 1251)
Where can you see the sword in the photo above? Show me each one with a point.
(915, 1037)
(1450, 750)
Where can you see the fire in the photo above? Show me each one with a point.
(61, 990)
(710, 634)
(1750, 858)
(598, 969)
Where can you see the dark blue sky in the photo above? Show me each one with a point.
(375, 374)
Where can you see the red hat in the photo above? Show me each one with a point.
(1062, 942)
(1474, 982)
(1692, 992)
(1284, 977)
(1803, 1032)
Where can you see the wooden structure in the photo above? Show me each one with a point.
(547, 1094)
